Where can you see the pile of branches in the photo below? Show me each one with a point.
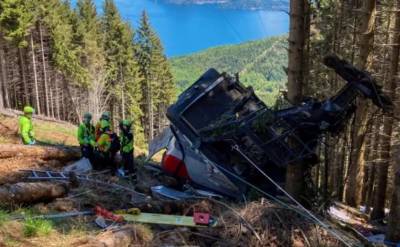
(255, 224)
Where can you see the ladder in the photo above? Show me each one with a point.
(53, 175)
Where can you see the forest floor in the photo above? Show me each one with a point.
(258, 223)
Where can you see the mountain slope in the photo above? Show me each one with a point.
(259, 64)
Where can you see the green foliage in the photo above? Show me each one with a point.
(157, 84)
(64, 51)
(37, 227)
(259, 64)
(16, 18)
(112, 28)
(88, 36)
(123, 75)
(4, 216)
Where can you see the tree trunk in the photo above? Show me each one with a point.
(380, 194)
(51, 102)
(356, 166)
(24, 82)
(295, 172)
(122, 92)
(21, 193)
(370, 188)
(35, 77)
(150, 111)
(74, 104)
(45, 86)
(40, 152)
(57, 96)
(4, 77)
(371, 167)
(2, 81)
(393, 233)
(327, 163)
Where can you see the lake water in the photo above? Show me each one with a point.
(185, 29)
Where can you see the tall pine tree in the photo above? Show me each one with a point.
(157, 84)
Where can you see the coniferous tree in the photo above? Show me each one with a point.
(157, 84)
(111, 28)
(16, 18)
(146, 56)
(88, 36)
(295, 183)
(69, 61)
(363, 61)
(65, 54)
(129, 91)
(394, 216)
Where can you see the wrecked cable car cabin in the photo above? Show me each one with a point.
(224, 139)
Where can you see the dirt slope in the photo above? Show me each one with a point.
(49, 133)
(45, 131)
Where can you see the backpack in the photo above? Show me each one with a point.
(115, 145)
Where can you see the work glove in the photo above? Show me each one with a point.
(120, 172)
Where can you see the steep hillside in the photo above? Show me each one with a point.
(49, 132)
(259, 63)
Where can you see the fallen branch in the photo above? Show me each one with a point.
(348, 228)
(42, 152)
(351, 210)
(21, 193)
(55, 216)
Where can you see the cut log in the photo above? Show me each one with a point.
(26, 193)
(42, 152)
(129, 235)
(351, 210)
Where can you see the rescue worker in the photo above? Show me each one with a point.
(107, 146)
(26, 126)
(105, 116)
(126, 150)
(86, 136)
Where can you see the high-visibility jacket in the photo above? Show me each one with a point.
(98, 130)
(86, 134)
(108, 142)
(26, 129)
(126, 142)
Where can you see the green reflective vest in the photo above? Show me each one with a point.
(126, 142)
(86, 134)
(26, 129)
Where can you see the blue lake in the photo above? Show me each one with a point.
(185, 29)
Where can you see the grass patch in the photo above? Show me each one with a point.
(37, 227)
(25, 212)
(9, 242)
(3, 217)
